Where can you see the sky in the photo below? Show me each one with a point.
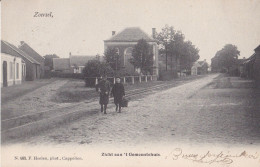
(81, 26)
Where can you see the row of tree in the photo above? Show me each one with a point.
(178, 53)
(225, 59)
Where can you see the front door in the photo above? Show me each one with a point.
(4, 73)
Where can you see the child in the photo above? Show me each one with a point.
(118, 91)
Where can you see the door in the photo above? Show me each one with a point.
(4, 73)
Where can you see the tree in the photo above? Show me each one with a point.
(95, 68)
(112, 58)
(182, 53)
(165, 37)
(48, 60)
(142, 57)
(190, 54)
(177, 50)
(225, 58)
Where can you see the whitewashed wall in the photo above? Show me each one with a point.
(10, 59)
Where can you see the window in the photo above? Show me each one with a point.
(24, 70)
(127, 55)
(17, 70)
(11, 70)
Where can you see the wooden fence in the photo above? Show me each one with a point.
(125, 79)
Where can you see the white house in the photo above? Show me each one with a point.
(199, 67)
(12, 70)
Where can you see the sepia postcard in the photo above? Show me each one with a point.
(111, 83)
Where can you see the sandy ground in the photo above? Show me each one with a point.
(34, 101)
(195, 112)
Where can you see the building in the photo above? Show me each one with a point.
(73, 64)
(199, 68)
(125, 41)
(12, 67)
(34, 55)
(31, 69)
(251, 67)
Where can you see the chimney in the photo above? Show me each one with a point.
(113, 33)
(70, 53)
(22, 42)
(154, 31)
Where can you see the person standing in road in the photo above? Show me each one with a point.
(118, 91)
(103, 87)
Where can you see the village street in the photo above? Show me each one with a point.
(225, 111)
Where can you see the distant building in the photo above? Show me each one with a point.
(125, 41)
(73, 64)
(13, 67)
(241, 66)
(199, 68)
(33, 54)
(251, 68)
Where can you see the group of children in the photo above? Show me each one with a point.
(118, 92)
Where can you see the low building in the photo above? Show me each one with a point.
(73, 64)
(199, 68)
(12, 66)
(31, 68)
(125, 41)
(34, 55)
(251, 68)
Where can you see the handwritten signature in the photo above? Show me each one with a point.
(209, 157)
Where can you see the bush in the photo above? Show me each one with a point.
(95, 68)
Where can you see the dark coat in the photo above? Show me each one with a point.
(104, 87)
(118, 91)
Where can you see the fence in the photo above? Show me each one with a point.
(92, 81)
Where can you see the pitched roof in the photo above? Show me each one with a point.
(257, 48)
(20, 52)
(130, 34)
(61, 63)
(31, 52)
(241, 61)
(80, 60)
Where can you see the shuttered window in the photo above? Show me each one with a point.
(11, 70)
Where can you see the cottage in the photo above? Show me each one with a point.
(73, 64)
(34, 55)
(125, 41)
(31, 68)
(199, 68)
(12, 67)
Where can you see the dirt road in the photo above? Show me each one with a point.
(201, 111)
